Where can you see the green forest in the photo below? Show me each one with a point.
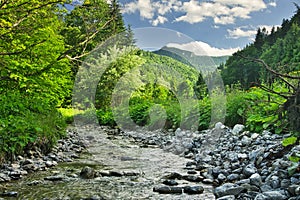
(44, 44)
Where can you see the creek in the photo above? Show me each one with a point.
(108, 153)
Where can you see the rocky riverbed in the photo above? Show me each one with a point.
(101, 163)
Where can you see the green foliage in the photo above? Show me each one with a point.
(69, 113)
(236, 107)
(27, 120)
(289, 141)
(41, 46)
(105, 117)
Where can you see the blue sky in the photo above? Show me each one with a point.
(219, 26)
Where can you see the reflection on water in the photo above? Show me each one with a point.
(118, 154)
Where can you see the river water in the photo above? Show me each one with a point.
(109, 153)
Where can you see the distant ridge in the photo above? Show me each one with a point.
(190, 58)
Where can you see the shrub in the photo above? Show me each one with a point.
(27, 120)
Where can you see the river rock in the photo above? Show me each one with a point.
(228, 197)
(170, 182)
(274, 195)
(228, 189)
(192, 178)
(9, 194)
(249, 170)
(232, 177)
(238, 128)
(193, 189)
(168, 190)
(255, 179)
(4, 178)
(54, 178)
(87, 173)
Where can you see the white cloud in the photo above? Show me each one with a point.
(247, 31)
(196, 11)
(143, 6)
(201, 48)
(273, 4)
(240, 32)
(159, 20)
(222, 11)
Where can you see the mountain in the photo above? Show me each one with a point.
(189, 58)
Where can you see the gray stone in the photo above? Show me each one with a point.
(285, 183)
(192, 178)
(242, 156)
(4, 178)
(116, 173)
(292, 189)
(228, 189)
(251, 188)
(9, 194)
(255, 179)
(228, 197)
(243, 181)
(207, 181)
(233, 177)
(87, 173)
(221, 177)
(238, 128)
(246, 141)
(170, 182)
(232, 156)
(168, 190)
(254, 136)
(193, 189)
(295, 180)
(274, 182)
(55, 178)
(249, 170)
(271, 195)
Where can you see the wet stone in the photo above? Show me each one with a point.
(170, 182)
(193, 189)
(192, 178)
(116, 173)
(191, 172)
(233, 177)
(228, 197)
(168, 190)
(9, 194)
(249, 170)
(173, 175)
(228, 189)
(208, 181)
(54, 178)
(255, 179)
(274, 195)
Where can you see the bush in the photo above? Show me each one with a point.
(236, 107)
(27, 120)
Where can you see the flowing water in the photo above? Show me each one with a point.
(115, 153)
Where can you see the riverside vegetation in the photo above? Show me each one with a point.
(43, 46)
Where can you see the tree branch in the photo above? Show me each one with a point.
(269, 69)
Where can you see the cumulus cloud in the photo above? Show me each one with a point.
(159, 20)
(248, 31)
(195, 11)
(273, 4)
(154, 11)
(240, 32)
(202, 48)
(145, 8)
(222, 11)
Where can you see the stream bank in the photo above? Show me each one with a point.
(220, 163)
